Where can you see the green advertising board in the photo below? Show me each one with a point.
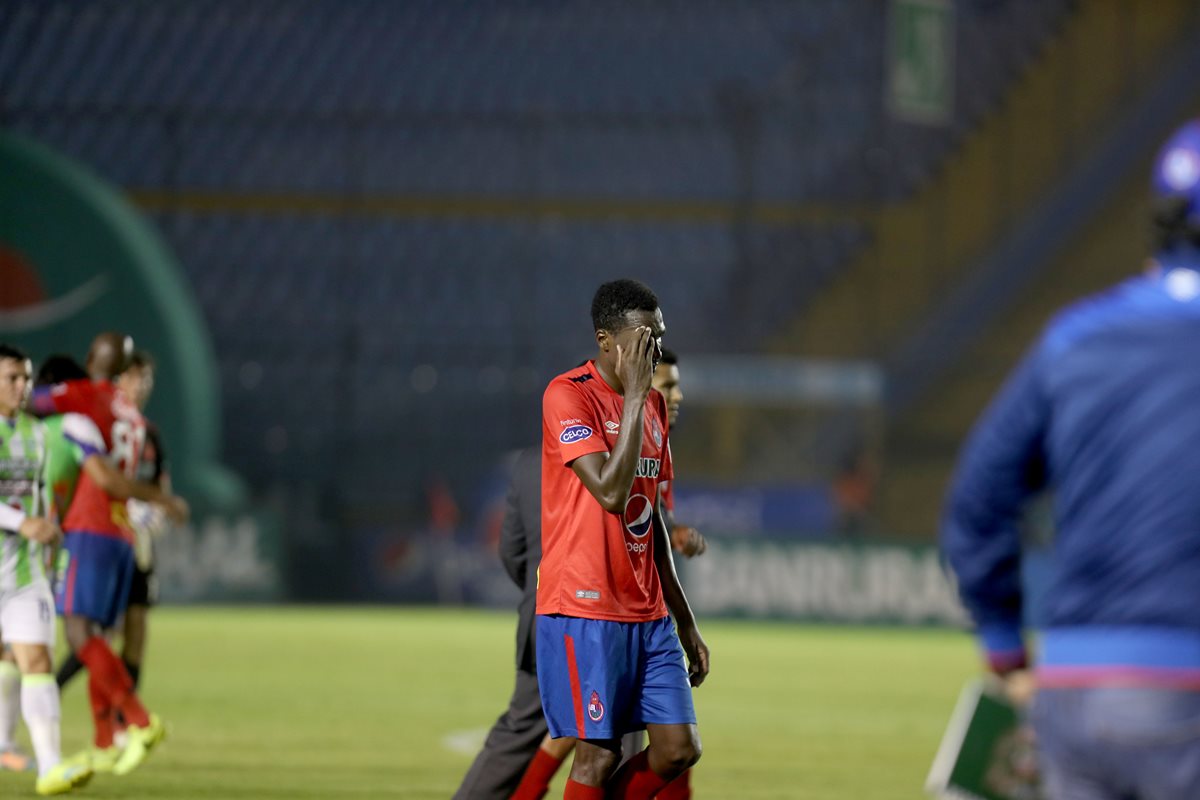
(840, 583)
(76, 258)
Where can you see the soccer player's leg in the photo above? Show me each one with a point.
(27, 618)
(11, 757)
(664, 706)
(586, 674)
(535, 781)
(91, 595)
(142, 596)
(509, 746)
(145, 730)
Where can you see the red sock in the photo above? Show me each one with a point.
(678, 789)
(113, 680)
(635, 780)
(577, 791)
(536, 780)
(101, 714)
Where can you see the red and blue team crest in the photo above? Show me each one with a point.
(595, 708)
(639, 515)
(656, 432)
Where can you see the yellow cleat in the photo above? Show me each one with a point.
(63, 778)
(103, 759)
(141, 742)
(96, 759)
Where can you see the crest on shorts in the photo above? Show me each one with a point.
(595, 708)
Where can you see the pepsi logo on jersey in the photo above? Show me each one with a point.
(639, 519)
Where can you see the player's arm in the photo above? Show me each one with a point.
(513, 549)
(676, 600)
(685, 540)
(609, 476)
(119, 486)
(1002, 465)
(37, 529)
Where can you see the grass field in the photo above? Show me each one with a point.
(364, 703)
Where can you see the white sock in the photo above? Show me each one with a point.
(10, 704)
(40, 705)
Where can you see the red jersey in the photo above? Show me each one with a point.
(124, 431)
(597, 564)
(667, 496)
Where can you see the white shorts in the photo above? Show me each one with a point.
(27, 614)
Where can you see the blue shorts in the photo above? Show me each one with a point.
(94, 573)
(601, 679)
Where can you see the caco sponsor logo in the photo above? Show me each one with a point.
(575, 433)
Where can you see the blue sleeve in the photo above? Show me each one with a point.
(1001, 466)
(41, 402)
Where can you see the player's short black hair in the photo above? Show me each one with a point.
(140, 359)
(13, 352)
(615, 299)
(668, 357)
(1173, 224)
(59, 368)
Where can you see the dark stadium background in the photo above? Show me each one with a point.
(386, 221)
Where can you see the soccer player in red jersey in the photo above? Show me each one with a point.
(97, 561)
(685, 540)
(608, 659)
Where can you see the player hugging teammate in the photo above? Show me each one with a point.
(79, 466)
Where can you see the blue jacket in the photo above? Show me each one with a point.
(1105, 412)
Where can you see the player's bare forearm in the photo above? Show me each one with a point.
(118, 486)
(609, 476)
(693, 643)
(672, 589)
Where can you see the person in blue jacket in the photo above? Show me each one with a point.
(1104, 412)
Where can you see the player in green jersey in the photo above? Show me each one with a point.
(26, 604)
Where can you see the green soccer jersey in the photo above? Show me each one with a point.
(22, 485)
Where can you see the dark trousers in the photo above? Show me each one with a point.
(512, 742)
(509, 746)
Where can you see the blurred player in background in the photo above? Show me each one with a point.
(69, 439)
(26, 619)
(98, 561)
(1104, 412)
(608, 659)
(147, 519)
(685, 540)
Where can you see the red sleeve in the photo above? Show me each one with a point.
(667, 473)
(71, 397)
(666, 492)
(571, 426)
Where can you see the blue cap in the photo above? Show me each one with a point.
(1177, 169)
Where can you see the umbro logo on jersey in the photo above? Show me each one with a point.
(612, 427)
(575, 433)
